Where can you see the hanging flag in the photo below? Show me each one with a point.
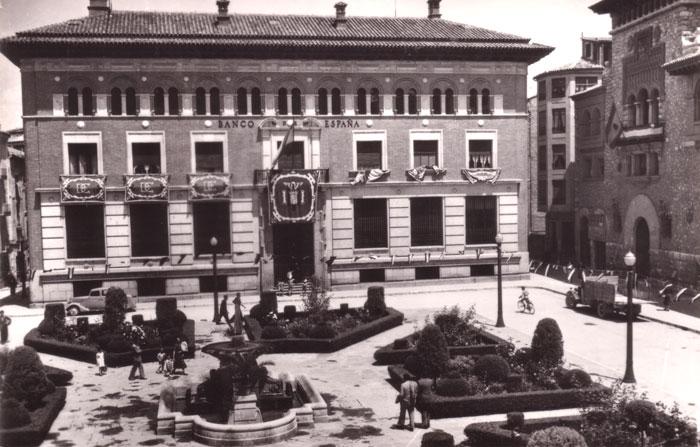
(359, 178)
(70, 272)
(571, 273)
(107, 268)
(427, 257)
(283, 144)
(393, 259)
(377, 174)
(546, 270)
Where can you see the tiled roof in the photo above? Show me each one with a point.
(581, 65)
(587, 92)
(204, 35)
(689, 63)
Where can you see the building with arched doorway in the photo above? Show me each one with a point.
(645, 190)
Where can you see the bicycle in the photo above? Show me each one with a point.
(525, 305)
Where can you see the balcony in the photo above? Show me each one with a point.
(146, 187)
(83, 188)
(261, 177)
(642, 133)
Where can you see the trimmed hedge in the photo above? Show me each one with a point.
(448, 407)
(86, 353)
(300, 345)
(59, 377)
(492, 434)
(388, 355)
(33, 434)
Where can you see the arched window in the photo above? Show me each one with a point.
(336, 103)
(72, 101)
(200, 107)
(596, 122)
(131, 106)
(449, 101)
(437, 102)
(159, 101)
(322, 102)
(644, 107)
(374, 107)
(412, 102)
(473, 101)
(398, 100)
(282, 101)
(361, 101)
(87, 102)
(242, 101)
(115, 103)
(696, 101)
(485, 101)
(215, 101)
(173, 101)
(655, 105)
(586, 124)
(255, 101)
(296, 101)
(632, 111)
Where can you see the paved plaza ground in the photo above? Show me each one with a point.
(111, 410)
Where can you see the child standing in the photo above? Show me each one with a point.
(161, 361)
(100, 360)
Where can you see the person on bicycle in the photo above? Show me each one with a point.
(524, 296)
(524, 303)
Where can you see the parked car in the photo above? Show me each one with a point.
(94, 302)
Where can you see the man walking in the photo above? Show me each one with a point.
(4, 326)
(407, 400)
(11, 283)
(136, 363)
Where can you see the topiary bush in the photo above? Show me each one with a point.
(170, 320)
(547, 343)
(432, 352)
(13, 414)
(272, 332)
(413, 364)
(462, 364)
(401, 343)
(54, 319)
(452, 387)
(55, 311)
(557, 437)
(165, 308)
(290, 312)
(375, 304)
(641, 412)
(575, 378)
(515, 420)
(322, 331)
(437, 439)
(268, 301)
(115, 309)
(491, 368)
(25, 378)
(257, 312)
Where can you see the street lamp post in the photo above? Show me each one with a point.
(217, 318)
(630, 260)
(499, 320)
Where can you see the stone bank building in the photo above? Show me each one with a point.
(149, 133)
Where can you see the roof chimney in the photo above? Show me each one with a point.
(223, 10)
(99, 7)
(340, 19)
(434, 9)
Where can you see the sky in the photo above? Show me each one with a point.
(559, 24)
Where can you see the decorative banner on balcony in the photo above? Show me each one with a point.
(82, 188)
(146, 187)
(418, 173)
(368, 175)
(209, 186)
(481, 175)
(293, 195)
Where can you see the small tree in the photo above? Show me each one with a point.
(547, 343)
(25, 378)
(115, 309)
(432, 351)
(316, 303)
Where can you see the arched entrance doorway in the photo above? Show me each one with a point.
(641, 246)
(584, 243)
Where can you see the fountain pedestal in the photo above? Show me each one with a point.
(245, 410)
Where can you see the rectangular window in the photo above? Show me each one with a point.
(558, 156)
(542, 158)
(427, 273)
(587, 166)
(370, 223)
(542, 195)
(149, 229)
(207, 284)
(146, 158)
(150, 286)
(558, 87)
(425, 153)
(558, 192)
(426, 221)
(83, 288)
(542, 90)
(209, 156)
(82, 158)
(369, 155)
(542, 123)
(585, 82)
(480, 154)
(558, 120)
(639, 164)
(482, 270)
(85, 231)
(211, 219)
(292, 157)
(653, 163)
(481, 220)
(372, 275)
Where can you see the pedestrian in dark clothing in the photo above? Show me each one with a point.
(137, 363)
(223, 311)
(179, 356)
(4, 326)
(406, 399)
(11, 283)
(667, 300)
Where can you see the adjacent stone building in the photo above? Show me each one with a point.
(152, 135)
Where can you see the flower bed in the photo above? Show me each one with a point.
(41, 419)
(448, 406)
(486, 343)
(357, 333)
(86, 352)
(497, 434)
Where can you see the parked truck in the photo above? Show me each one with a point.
(602, 296)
